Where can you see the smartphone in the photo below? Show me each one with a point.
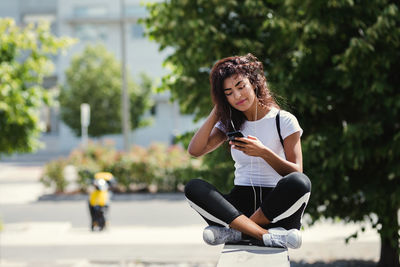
(232, 135)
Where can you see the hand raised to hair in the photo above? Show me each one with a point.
(249, 145)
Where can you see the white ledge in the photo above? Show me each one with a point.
(253, 256)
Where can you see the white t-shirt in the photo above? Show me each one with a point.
(255, 170)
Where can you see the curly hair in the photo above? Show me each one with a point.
(248, 66)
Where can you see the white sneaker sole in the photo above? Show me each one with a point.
(208, 237)
(294, 240)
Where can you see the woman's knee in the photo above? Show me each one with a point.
(299, 180)
(195, 187)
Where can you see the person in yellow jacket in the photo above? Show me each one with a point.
(99, 200)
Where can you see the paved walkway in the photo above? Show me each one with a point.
(19, 183)
(323, 241)
(152, 246)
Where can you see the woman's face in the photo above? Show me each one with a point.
(239, 92)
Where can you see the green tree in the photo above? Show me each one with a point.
(94, 77)
(336, 62)
(24, 62)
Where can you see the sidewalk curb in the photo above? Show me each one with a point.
(116, 197)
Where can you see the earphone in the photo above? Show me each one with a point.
(258, 162)
(230, 116)
(251, 157)
(251, 160)
(251, 165)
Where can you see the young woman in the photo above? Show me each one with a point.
(270, 192)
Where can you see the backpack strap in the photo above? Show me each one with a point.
(278, 127)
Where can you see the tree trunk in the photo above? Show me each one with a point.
(390, 243)
(389, 254)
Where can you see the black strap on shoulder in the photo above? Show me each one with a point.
(278, 127)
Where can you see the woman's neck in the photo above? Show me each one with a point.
(256, 112)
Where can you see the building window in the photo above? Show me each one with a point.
(90, 11)
(36, 18)
(137, 31)
(135, 11)
(91, 32)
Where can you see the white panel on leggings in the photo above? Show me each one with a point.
(295, 207)
(206, 214)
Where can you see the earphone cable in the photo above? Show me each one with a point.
(251, 167)
(258, 161)
(251, 164)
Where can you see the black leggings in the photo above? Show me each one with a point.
(283, 205)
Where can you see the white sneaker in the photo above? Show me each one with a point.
(216, 235)
(279, 237)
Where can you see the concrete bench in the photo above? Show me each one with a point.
(253, 255)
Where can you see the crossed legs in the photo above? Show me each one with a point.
(249, 226)
(283, 206)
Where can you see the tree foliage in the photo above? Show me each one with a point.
(24, 62)
(335, 62)
(94, 77)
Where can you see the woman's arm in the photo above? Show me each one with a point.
(292, 146)
(207, 138)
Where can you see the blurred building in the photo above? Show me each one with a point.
(98, 21)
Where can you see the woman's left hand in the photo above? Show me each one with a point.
(250, 146)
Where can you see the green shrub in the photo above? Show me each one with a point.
(163, 167)
(94, 158)
(53, 175)
(177, 167)
(217, 167)
(122, 171)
